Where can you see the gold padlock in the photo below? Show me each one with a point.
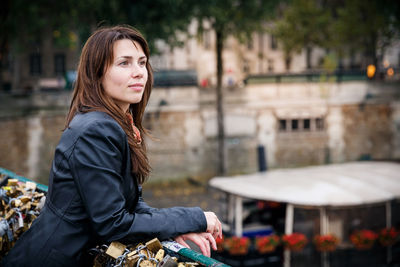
(154, 245)
(160, 255)
(146, 263)
(115, 249)
(12, 182)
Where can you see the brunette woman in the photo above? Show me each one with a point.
(100, 164)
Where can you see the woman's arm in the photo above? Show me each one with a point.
(142, 206)
(96, 162)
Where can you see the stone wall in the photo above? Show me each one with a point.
(367, 131)
(356, 121)
(14, 145)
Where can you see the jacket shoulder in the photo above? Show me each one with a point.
(92, 125)
(95, 121)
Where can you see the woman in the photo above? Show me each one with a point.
(100, 163)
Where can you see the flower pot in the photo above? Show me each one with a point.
(326, 248)
(326, 243)
(239, 251)
(266, 249)
(294, 242)
(295, 248)
(388, 236)
(363, 239)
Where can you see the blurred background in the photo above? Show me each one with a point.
(240, 86)
(303, 82)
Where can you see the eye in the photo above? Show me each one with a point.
(142, 63)
(124, 63)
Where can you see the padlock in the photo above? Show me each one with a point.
(16, 202)
(30, 186)
(167, 262)
(12, 182)
(25, 198)
(132, 259)
(154, 245)
(10, 213)
(115, 249)
(146, 263)
(26, 206)
(160, 255)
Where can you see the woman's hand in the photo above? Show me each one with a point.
(203, 240)
(213, 224)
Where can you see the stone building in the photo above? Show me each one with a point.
(260, 55)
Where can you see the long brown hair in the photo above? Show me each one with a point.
(89, 95)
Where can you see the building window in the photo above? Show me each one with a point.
(282, 125)
(59, 64)
(273, 43)
(301, 125)
(35, 64)
(295, 125)
(306, 124)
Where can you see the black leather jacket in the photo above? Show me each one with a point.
(93, 199)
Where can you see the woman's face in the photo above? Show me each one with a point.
(126, 77)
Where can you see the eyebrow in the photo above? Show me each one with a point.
(130, 57)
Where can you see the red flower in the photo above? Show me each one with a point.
(363, 239)
(237, 245)
(265, 244)
(295, 241)
(388, 236)
(326, 242)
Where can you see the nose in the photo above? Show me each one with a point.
(138, 71)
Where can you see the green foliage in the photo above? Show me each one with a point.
(237, 17)
(365, 26)
(343, 26)
(161, 19)
(304, 23)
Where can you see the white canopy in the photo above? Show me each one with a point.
(346, 184)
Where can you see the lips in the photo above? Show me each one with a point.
(136, 87)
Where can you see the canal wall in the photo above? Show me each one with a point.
(297, 124)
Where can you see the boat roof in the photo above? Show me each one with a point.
(345, 184)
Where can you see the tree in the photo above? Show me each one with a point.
(304, 24)
(353, 26)
(367, 27)
(25, 23)
(161, 19)
(239, 18)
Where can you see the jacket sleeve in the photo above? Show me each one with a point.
(96, 162)
(142, 206)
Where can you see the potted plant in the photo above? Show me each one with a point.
(237, 245)
(266, 244)
(326, 242)
(295, 241)
(388, 236)
(363, 239)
